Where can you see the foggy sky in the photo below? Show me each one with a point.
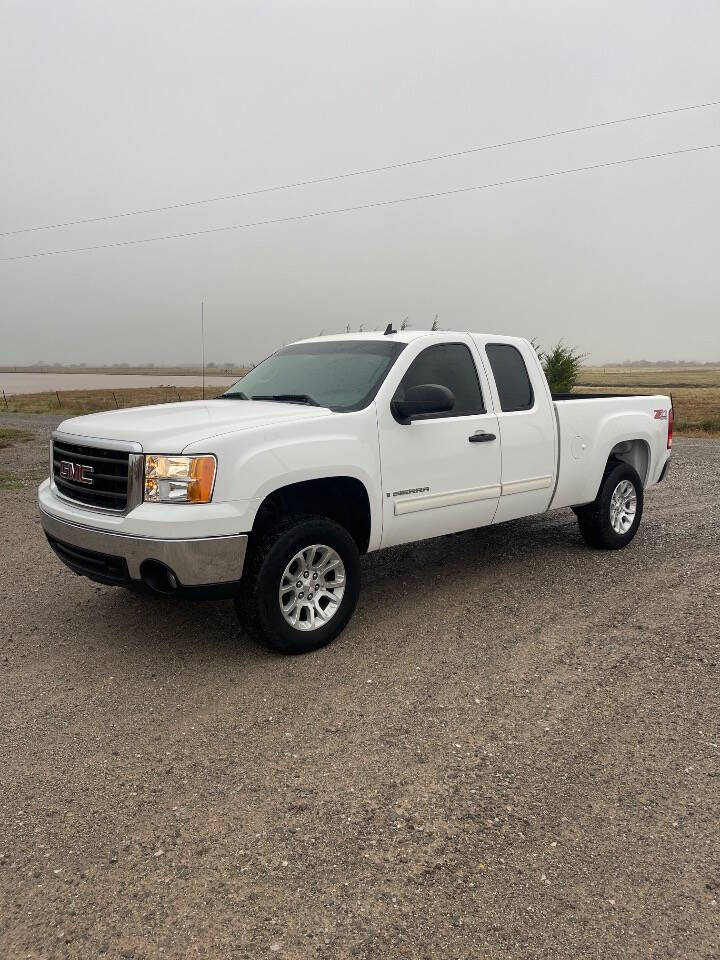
(110, 107)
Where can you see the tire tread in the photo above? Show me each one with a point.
(245, 603)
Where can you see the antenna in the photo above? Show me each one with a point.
(389, 330)
(202, 343)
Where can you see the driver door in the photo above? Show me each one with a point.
(438, 475)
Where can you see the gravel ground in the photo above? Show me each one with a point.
(511, 753)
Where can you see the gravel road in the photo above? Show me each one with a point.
(512, 753)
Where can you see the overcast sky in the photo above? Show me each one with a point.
(114, 107)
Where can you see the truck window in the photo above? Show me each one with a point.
(343, 375)
(511, 376)
(451, 365)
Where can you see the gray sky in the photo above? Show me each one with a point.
(110, 107)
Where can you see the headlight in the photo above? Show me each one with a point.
(179, 479)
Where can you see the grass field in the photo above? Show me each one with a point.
(74, 402)
(695, 393)
(9, 436)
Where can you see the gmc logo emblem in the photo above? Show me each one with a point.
(78, 472)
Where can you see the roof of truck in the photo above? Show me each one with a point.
(407, 336)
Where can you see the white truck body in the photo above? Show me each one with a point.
(420, 479)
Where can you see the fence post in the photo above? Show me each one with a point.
(5, 399)
(58, 398)
(115, 398)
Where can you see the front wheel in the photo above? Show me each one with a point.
(612, 520)
(300, 585)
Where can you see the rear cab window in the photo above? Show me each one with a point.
(511, 377)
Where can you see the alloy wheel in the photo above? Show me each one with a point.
(623, 507)
(312, 587)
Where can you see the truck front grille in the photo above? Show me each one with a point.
(91, 475)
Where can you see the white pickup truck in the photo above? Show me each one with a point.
(334, 447)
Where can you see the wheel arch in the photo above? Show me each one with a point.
(342, 498)
(636, 453)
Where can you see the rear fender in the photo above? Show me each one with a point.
(584, 454)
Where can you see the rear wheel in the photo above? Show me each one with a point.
(612, 520)
(300, 585)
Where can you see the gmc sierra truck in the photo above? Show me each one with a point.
(329, 449)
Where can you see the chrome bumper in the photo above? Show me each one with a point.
(197, 562)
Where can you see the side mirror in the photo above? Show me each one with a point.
(426, 398)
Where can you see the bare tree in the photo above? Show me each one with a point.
(435, 324)
(405, 324)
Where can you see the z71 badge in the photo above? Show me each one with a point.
(660, 414)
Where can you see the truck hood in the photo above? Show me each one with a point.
(170, 427)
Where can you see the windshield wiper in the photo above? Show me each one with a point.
(233, 396)
(288, 398)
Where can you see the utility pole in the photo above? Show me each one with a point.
(202, 340)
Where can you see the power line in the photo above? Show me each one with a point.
(360, 206)
(359, 173)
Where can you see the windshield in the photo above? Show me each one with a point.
(343, 375)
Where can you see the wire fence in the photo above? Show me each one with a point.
(90, 401)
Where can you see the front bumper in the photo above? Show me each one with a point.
(196, 563)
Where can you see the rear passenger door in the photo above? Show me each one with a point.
(437, 478)
(527, 429)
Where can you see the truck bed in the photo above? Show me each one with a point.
(633, 427)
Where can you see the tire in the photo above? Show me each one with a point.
(603, 526)
(270, 562)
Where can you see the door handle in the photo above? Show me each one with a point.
(480, 436)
